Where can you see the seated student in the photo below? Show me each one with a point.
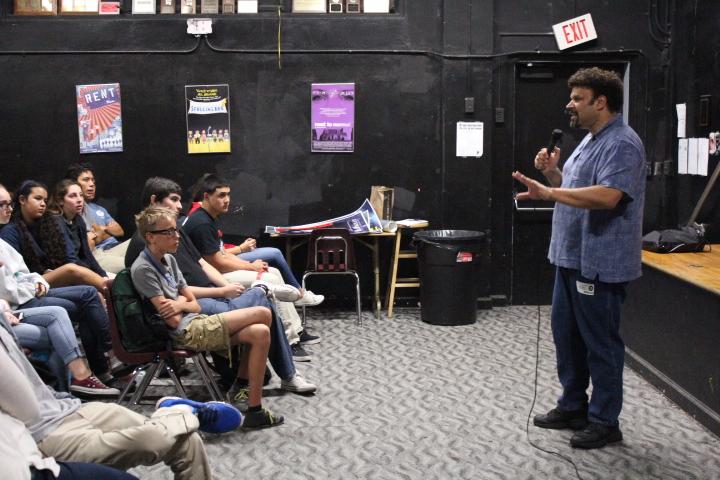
(103, 230)
(21, 459)
(214, 194)
(42, 240)
(24, 289)
(214, 293)
(49, 329)
(107, 433)
(5, 206)
(156, 277)
(67, 201)
(203, 230)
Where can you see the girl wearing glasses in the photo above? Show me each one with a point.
(5, 206)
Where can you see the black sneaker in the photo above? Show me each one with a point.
(238, 396)
(299, 354)
(558, 419)
(262, 419)
(307, 338)
(596, 435)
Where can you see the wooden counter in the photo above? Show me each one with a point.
(699, 269)
(671, 328)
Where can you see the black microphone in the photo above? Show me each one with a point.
(555, 138)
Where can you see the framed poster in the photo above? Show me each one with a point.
(207, 118)
(99, 118)
(187, 7)
(79, 7)
(209, 7)
(143, 7)
(332, 117)
(109, 8)
(35, 7)
(167, 6)
(228, 6)
(247, 6)
(309, 6)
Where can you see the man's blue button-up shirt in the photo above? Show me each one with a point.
(603, 244)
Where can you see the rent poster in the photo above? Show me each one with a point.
(208, 118)
(99, 118)
(333, 117)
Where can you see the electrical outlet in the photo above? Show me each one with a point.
(657, 168)
(469, 104)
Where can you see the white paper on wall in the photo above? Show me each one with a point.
(692, 156)
(702, 156)
(681, 117)
(683, 156)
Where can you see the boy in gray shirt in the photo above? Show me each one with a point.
(156, 277)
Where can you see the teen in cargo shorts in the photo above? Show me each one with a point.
(156, 276)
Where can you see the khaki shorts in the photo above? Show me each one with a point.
(206, 333)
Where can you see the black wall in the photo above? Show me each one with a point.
(696, 73)
(412, 70)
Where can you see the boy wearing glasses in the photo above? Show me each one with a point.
(157, 277)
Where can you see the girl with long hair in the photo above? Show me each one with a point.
(68, 202)
(42, 240)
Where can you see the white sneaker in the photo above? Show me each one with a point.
(310, 299)
(298, 384)
(282, 293)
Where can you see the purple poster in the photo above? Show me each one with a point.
(333, 117)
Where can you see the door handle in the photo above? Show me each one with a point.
(531, 209)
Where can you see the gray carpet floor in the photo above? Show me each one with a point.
(401, 399)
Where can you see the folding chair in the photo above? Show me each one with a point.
(330, 252)
(154, 362)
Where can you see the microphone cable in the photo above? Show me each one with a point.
(535, 383)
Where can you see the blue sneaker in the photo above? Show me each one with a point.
(214, 417)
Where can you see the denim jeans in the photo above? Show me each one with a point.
(274, 258)
(586, 329)
(279, 355)
(82, 471)
(84, 308)
(49, 328)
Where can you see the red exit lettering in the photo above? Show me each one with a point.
(575, 31)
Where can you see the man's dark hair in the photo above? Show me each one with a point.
(74, 170)
(601, 82)
(208, 183)
(160, 187)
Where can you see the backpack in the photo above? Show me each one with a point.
(142, 329)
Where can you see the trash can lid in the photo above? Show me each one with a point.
(449, 236)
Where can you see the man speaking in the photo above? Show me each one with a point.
(596, 247)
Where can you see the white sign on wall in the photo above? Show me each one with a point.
(469, 139)
(574, 31)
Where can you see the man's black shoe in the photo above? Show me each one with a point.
(559, 419)
(596, 435)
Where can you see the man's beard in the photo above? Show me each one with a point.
(573, 122)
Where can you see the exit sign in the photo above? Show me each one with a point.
(574, 31)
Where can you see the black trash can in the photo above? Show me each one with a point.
(449, 264)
